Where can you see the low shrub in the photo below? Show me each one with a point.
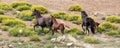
(2, 11)
(24, 7)
(40, 8)
(79, 21)
(113, 19)
(14, 31)
(13, 23)
(5, 6)
(35, 38)
(74, 17)
(103, 18)
(5, 28)
(21, 31)
(106, 26)
(60, 15)
(118, 31)
(112, 33)
(16, 4)
(90, 39)
(25, 15)
(18, 41)
(40, 31)
(75, 7)
(75, 31)
(3, 17)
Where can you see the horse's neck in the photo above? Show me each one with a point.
(54, 21)
(38, 15)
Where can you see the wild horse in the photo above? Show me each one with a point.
(57, 26)
(42, 21)
(88, 22)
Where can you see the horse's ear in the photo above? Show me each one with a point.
(51, 16)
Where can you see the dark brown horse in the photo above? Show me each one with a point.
(42, 21)
(88, 22)
(57, 26)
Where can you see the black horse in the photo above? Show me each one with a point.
(42, 21)
(87, 22)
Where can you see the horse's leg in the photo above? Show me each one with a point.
(87, 30)
(52, 31)
(83, 27)
(62, 28)
(35, 26)
(42, 29)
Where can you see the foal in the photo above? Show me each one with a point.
(57, 26)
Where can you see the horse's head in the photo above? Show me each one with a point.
(35, 12)
(97, 24)
(52, 17)
(84, 14)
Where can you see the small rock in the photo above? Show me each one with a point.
(69, 44)
(10, 46)
(17, 11)
(53, 39)
(20, 43)
(55, 47)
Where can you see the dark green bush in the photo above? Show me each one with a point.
(75, 7)
(60, 15)
(106, 26)
(90, 39)
(25, 15)
(5, 6)
(24, 7)
(35, 38)
(113, 19)
(13, 23)
(2, 11)
(40, 8)
(16, 4)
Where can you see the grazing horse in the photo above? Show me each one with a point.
(88, 22)
(57, 26)
(42, 21)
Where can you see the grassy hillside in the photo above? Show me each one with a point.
(16, 24)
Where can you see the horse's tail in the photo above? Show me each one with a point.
(66, 26)
(92, 25)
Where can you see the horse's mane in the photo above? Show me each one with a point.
(38, 13)
(54, 19)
